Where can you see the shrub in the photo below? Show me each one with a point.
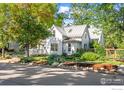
(54, 58)
(89, 56)
(121, 45)
(68, 58)
(64, 54)
(79, 52)
(26, 59)
(100, 51)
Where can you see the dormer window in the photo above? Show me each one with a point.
(70, 30)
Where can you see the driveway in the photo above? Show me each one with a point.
(19, 74)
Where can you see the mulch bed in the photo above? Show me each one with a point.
(89, 66)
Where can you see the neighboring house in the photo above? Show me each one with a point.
(96, 34)
(14, 46)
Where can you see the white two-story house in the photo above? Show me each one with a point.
(66, 40)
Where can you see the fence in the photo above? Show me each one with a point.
(115, 53)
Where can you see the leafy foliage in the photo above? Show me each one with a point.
(79, 52)
(120, 54)
(89, 56)
(6, 34)
(31, 22)
(26, 59)
(100, 50)
(108, 17)
(26, 23)
(54, 58)
(40, 58)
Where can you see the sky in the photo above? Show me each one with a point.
(64, 8)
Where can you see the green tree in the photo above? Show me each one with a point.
(5, 30)
(32, 22)
(108, 17)
(59, 19)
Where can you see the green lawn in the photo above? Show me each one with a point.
(40, 58)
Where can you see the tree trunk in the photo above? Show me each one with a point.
(27, 50)
(3, 52)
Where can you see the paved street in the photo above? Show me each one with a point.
(18, 74)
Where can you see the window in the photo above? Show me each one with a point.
(54, 47)
(70, 30)
(69, 46)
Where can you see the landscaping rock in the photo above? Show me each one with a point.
(60, 65)
(55, 64)
(30, 64)
(121, 69)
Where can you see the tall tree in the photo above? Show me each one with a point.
(5, 31)
(32, 22)
(108, 17)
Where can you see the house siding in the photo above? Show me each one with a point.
(85, 40)
(58, 34)
(54, 39)
(48, 46)
(74, 47)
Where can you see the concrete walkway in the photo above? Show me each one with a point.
(18, 74)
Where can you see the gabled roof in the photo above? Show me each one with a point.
(60, 30)
(71, 31)
(78, 30)
(75, 30)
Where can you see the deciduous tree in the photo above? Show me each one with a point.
(108, 17)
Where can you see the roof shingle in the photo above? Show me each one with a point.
(75, 30)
